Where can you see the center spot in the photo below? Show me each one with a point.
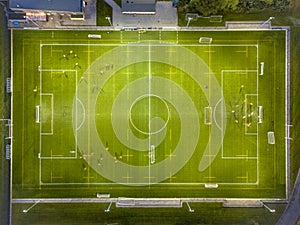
(149, 114)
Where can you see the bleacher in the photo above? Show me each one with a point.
(7, 151)
(8, 85)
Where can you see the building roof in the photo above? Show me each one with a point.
(47, 5)
(138, 6)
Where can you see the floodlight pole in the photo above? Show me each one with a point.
(109, 20)
(189, 20)
(190, 209)
(267, 21)
(27, 210)
(108, 208)
(27, 17)
(268, 208)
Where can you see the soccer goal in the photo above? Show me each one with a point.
(260, 114)
(262, 65)
(205, 40)
(211, 185)
(37, 114)
(207, 115)
(271, 138)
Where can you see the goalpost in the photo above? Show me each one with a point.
(37, 114)
(260, 114)
(205, 40)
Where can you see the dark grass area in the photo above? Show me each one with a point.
(4, 113)
(103, 10)
(1, 136)
(295, 103)
(92, 214)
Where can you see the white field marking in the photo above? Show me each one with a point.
(170, 41)
(40, 136)
(215, 108)
(37, 113)
(160, 36)
(146, 44)
(246, 133)
(129, 44)
(58, 70)
(207, 121)
(240, 157)
(82, 122)
(143, 183)
(76, 110)
(287, 108)
(222, 149)
(56, 157)
(257, 160)
(52, 112)
(149, 108)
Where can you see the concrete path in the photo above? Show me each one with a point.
(166, 16)
(292, 211)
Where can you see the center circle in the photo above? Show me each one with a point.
(148, 108)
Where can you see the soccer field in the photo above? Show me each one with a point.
(149, 114)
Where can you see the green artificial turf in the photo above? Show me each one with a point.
(99, 99)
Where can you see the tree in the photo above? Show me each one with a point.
(213, 7)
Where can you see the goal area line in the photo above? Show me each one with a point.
(42, 133)
(147, 184)
(241, 157)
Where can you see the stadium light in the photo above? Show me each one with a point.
(109, 20)
(268, 208)
(190, 209)
(267, 21)
(108, 208)
(27, 210)
(189, 20)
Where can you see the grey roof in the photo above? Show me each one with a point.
(47, 5)
(146, 6)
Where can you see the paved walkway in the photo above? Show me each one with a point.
(166, 16)
(292, 211)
